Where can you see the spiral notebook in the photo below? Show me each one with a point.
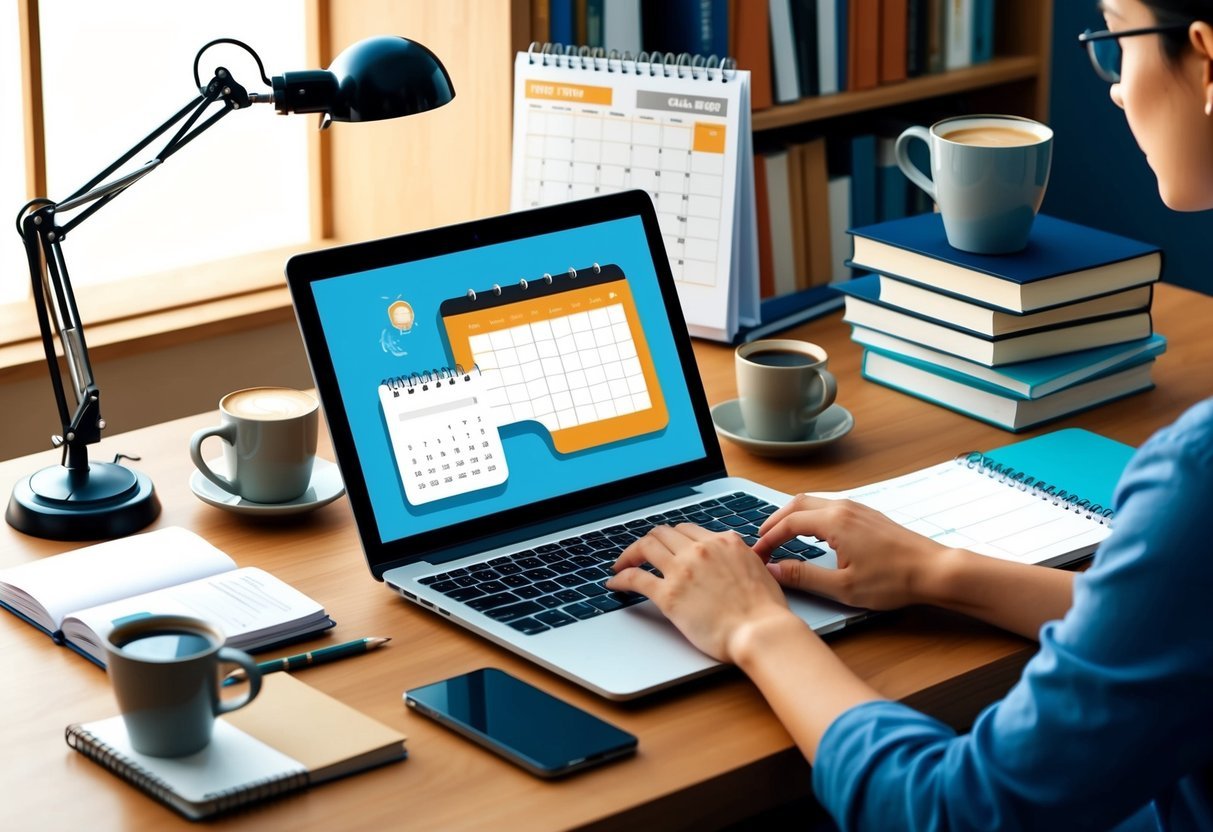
(677, 128)
(1046, 500)
(290, 737)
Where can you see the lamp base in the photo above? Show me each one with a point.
(106, 501)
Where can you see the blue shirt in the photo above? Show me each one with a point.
(1111, 724)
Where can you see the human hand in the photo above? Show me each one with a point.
(712, 586)
(881, 565)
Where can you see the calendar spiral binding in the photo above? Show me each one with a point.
(547, 279)
(1046, 491)
(666, 64)
(423, 378)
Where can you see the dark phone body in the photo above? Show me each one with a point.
(545, 735)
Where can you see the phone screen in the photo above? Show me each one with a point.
(534, 729)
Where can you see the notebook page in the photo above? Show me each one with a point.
(957, 506)
(49, 589)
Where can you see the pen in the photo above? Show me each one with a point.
(324, 654)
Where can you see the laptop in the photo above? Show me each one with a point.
(512, 401)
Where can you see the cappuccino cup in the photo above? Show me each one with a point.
(167, 672)
(988, 177)
(269, 444)
(783, 386)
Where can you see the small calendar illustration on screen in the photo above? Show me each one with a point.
(443, 434)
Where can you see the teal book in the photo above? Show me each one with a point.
(1074, 465)
(1025, 379)
(1062, 263)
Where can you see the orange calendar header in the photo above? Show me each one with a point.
(709, 138)
(571, 93)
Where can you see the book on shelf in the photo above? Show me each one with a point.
(1025, 379)
(1062, 263)
(751, 28)
(290, 737)
(994, 405)
(785, 59)
(77, 597)
(864, 308)
(991, 502)
(988, 320)
(894, 40)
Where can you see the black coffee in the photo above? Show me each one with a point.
(781, 358)
(166, 645)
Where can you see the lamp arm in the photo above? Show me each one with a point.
(54, 299)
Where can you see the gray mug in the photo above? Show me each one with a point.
(166, 673)
(269, 436)
(988, 177)
(783, 386)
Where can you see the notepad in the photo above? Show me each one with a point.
(292, 736)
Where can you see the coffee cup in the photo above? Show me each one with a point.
(269, 444)
(988, 177)
(783, 386)
(166, 673)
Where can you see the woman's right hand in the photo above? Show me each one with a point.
(881, 565)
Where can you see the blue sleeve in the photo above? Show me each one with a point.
(1111, 713)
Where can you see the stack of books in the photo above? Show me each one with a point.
(1014, 340)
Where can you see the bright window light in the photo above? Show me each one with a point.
(14, 274)
(112, 72)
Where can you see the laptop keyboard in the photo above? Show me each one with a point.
(556, 584)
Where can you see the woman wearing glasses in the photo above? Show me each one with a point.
(1111, 723)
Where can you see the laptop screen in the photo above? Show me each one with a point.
(494, 375)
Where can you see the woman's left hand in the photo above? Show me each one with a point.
(712, 586)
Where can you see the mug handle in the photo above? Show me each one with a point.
(228, 434)
(231, 655)
(902, 151)
(831, 385)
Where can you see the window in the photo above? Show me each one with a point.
(111, 73)
(14, 276)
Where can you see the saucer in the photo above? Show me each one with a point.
(325, 487)
(834, 423)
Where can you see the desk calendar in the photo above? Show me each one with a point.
(443, 434)
(679, 131)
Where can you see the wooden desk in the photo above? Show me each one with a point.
(710, 752)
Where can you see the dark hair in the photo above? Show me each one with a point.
(1178, 11)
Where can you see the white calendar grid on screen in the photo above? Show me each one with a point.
(575, 153)
(563, 372)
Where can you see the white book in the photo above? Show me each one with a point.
(783, 53)
(76, 597)
(827, 47)
(621, 25)
(783, 259)
(958, 48)
(840, 221)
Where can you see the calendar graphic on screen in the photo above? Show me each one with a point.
(443, 434)
(566, 351)
(585, 126)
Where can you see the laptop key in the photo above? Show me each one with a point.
(509, 569)
(529, 626)
(547, 586)
(465, 594)
(499, 561)
(515, 581)
(627, 599)
(482, 575)
(588, 536)
(444, 586)
(465, 580)
(528, 592)
(564, 567)
(733, 521)
(555, 618)
(583, 560)
(547, 547)
(594, 573)
(489, 601)
(610, 530)
(581, 610)
(549, 601)
(718, 511)
(754, 515)
(716, 526)
(570, 580)
(554, 556)
(592, 589)
(430, 579)
(492, 586)
(569, 595)
(512, 611)
(569, 541)
(530, 562)
(605, 603)
(540, 574)
(457, 573)
(601, 543)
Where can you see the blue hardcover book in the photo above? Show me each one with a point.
(863, 179)
(841, 10)
(983, 31)
(1063, 262)
(892, 191)
(560, 22)
(1025, 379)
(697, 27)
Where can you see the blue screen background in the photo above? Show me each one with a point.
(364, 348)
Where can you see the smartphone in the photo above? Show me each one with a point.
(545, 735)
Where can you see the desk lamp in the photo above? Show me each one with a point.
(378, 78)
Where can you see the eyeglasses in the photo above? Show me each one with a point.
(1104, 47)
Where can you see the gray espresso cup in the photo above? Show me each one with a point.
(988, 177)
(166, 673)
(269, 436)
(783, 386)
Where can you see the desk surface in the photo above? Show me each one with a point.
(710, 752)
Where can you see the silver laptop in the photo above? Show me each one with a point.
(512, 401)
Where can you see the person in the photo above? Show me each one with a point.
(1111, 722)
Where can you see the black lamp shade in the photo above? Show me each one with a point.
(377, 78)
